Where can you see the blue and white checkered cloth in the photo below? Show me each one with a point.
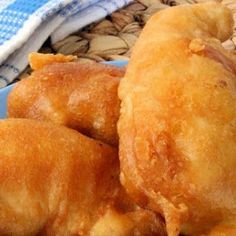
(26, 24)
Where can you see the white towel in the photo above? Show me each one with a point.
(25, 25)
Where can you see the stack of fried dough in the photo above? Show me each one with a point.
(60, 169)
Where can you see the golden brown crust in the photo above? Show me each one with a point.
(55, 181)
(52, 179)
(178, 114)
(80, 96)
(38, 60)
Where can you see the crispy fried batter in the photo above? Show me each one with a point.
(55, 181)
(80, 96)
(177, 126)
(39, 60)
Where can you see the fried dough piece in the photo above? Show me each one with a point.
(135, 223)
(55, 181)
(80, 96)
(177, 126)
(39, 60)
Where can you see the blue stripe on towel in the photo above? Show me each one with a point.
(14, 16)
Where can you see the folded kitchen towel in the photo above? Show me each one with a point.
(26, 24)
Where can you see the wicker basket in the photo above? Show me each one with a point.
(114, 37)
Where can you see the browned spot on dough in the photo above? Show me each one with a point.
(223, 84)
(221, 58)
(199, 47)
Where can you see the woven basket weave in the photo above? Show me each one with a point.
(114, 37)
